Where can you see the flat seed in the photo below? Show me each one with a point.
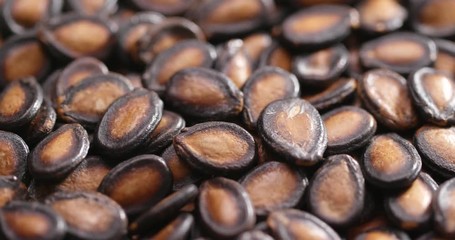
(89, 215)
(41, 125)
(335, 94)
(295, 224)
(225, 208)
(184, 54)
(274, 185)
(378, 17)
(59, 153)
(337, 191)
(161, 137)
(234, 61)
(182, 173)
(26, 49)
(444, 208)
(434, 18)
(14, 152)
(180, 228)
(71, 36)
(436, 147)
(411, 208)
(164, 211)
(317, 26)
(204, 94)
(322, 67)
(86, 102)
(267, 85)
(31, 220)
(138, 183)
(433, 93)
(348, 128)
(385, 95)
(293, 128)
(76, 72)
(128, 121)
(19, 103)
(401, 52)
(216, 148)
(391, 161)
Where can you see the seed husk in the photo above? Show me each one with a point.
(182, 173)
(180, 228)
(19, 103)
(295, 224)
(274, 185)
(433, 93)
(162, 136)
(321, 68)
(434, 18)
(184, 54)
(402, 52)
(335, 94)
(137, 183)
(265, 85)
(277, 56)
(379, 17)
(89, 216)
(234, 61)
(436, 148)
(31, 220)
(391, 161)
(386, 96)
(216, 148)
(293, 127)
(204, 94)
(128, 121)
(337, 191)
(225, 208)
(86, 102)
(59, 153)
(348, 128)
(41, 125)
(14, 152)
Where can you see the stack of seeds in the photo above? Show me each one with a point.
(227, 119)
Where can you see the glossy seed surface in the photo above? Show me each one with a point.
(335, 94)
(169, 126)
(378, 17)
(14, 152)
(182, 173)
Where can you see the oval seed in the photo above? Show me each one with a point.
(444, 207)
(216, 148)
(184, 54)
(335, 94)
(385, 233)
(317, 26)
(295, 224)
(434, 94)
(59, 153)
(72, 36)
(41, 125)
(14, 152)
(294, 128)
(348, 128)
(385, 95)
(93, 7)
(89, 216)
(132, 31)
(411, 208)
(169, 8)
(322, 67)
(434, 18)
(182, 173)
(379, 17)
(274, 185)
(277, 56)
(234, 61)
(170, 126)
(203, 93)
(337, 191)
(19, 103)
(164, 211)
(266, 85)
(225, 208)
(31, 220)
(86, 102)
(128, 121)
(391, 161)
(76, 72)
(180, 228)
(138, 183)
(33, 57)
(436, 147)
(11, 188)
(400, 52)
(165, 35)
